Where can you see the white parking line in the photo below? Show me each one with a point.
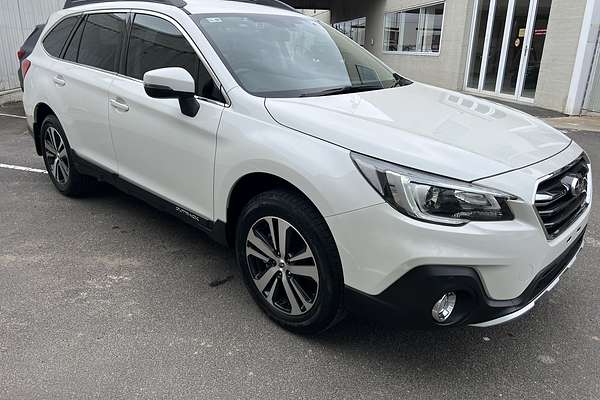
(11, 115)
(27, 169)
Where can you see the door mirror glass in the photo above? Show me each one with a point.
(173, 83)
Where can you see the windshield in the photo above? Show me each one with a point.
(288, 56)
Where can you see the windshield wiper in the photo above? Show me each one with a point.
(343, 90)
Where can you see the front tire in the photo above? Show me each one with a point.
(290, 262)
(58, 158)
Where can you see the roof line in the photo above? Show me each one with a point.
(182, 3)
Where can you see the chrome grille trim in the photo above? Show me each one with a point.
(559, 205)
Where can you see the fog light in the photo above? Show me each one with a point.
(442, 310)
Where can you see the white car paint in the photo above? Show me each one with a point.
(80, 105)
(177, 79)
(162, 150)
(427, 128)
(196, 162)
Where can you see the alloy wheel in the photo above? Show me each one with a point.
(56, 155)
(282, 266)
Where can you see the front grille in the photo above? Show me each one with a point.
(562, 197)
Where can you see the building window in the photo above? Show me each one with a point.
(417, 30)
(354, 29)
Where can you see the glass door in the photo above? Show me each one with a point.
(495, 53)
(478, 41)
(536, 48)
(507, 42)
(516, 47)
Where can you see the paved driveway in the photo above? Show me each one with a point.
(104, 297)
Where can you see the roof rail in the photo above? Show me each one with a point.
(182, 3)
(75, 3)
(269, 3)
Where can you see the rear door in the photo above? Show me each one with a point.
(89, 64)
(158, 148)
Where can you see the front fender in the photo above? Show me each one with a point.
(322, 171)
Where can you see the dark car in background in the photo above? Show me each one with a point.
(26, 50)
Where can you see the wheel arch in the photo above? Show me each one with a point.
(41, 111)
(247, 187)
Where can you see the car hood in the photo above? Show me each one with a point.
(426, 128)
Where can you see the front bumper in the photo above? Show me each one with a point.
(410, 299)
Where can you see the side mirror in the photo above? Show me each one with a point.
(173, 83)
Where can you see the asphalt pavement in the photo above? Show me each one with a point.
(105, 297)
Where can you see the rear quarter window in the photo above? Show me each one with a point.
(55, 40)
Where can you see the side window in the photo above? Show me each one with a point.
(55, 40)
(73, 46)
(155, 43)
(100, 42)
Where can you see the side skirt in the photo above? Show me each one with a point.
(215, 230)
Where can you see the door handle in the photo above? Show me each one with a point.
(59, 80)
(119, 105)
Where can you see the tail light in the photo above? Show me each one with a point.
(25, 67)
(20, 54)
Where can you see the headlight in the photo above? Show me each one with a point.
(433, 198)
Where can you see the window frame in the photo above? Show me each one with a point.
(83, 20)
(79, 16)
(121, 73)
(123, 66)
(421, 19)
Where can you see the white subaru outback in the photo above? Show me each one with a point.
(341, 184)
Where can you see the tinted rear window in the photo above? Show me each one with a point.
(100, 44)
(55, 40)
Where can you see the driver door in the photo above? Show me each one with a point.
(157, 147)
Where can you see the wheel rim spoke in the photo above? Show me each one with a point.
(302, 256)
(271, 294)
(251, 252)
(301, 295)
(63, 169)
(53, 137)
(282, 266)
(282, 228)
(56, 155)
(50, 147)
(260, 244)
(264, 280)
(55, 168)
(271, 223)
(309, 271)
(291, 297)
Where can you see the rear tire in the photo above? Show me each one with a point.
(58, 158)
(289, 262)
